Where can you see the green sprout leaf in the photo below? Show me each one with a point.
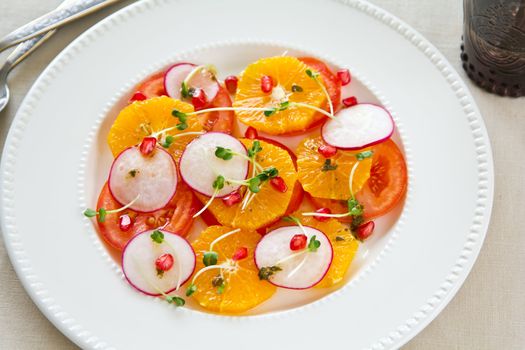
(218, 184)
(167, 141)
(223, 153)
(221, 288)
(184, 91)
(314, 244)
(210, 258)
(270, 112)
(157, 237)
(90, 213)
(354, 208)
(182, 117)
(175, 300)
(312, 74)
(327, 166)
(254, 184)
(363, 155)
(267, 271)
(297, 88)
(191, 289)
(102, 215)
(284, 105)
(290, 218)
(256, 148)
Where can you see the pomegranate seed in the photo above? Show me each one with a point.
(365, 230)
(240, 254)
(148, 145)
(344, 76)
(124, 222)
(232, 199)
(231, 83)
(137, 96)
(199, 99)
(350, 101)
(327, 151)
(298, 242)
(322, 211)
(266, 84)
(164, 262)
(251, 133)
(279, 184)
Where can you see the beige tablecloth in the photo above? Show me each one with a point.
(489, 310)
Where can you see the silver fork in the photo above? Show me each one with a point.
(18, 55)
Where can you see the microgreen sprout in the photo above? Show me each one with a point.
(101, 213)
(296, 88)
(182, 117)
(157, 236)
(327, 165)
(193, 288)
(315, 76)
(184, 90)
(364, 155)
(281, 107)
(267, 271)
(227, 154)
(168, 140)
(210, 258)
(173, 299)
(218, 184)
(313, 244)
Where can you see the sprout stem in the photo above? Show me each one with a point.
(222, 237)
(124, 207)
(323, 215)
(351, 179)
(207, 204)
(211, 267)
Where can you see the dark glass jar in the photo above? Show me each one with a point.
(493, 49)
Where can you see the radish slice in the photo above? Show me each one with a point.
(358, 126)
(138, 263)
(302, 271)
(199, 167)
(148, 181)
(203, 79)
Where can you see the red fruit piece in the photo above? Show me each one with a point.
(164, 262)
(327, 151)
(266, 84)
(279, 184)
(137, 96)
(344, 76)
(232, 199)
(298, 242)
(231, 83)
(148, 145)
(350, 101)
(240, 254)
(322, 211)
(199, 99)
(365, 230)
(125, 222)
(251, 133)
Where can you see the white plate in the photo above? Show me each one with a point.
(51, 168)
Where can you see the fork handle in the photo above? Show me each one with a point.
(25, 49)
(52, 20)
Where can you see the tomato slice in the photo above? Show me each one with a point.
(178, 213)
(222, 120)
(332, 83)
(385, 187)
(153, 86)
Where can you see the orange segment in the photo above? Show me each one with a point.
(332, 184)
(285, 72)
(243, 289)
(343, 243)
(143, 118)
(268, 204)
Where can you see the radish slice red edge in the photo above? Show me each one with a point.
(148, 181)
(359, 126)
(204, 80)
(199, 167)
(138, 262)
(310, 267)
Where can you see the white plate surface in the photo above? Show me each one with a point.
(51, 169)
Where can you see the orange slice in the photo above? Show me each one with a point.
(329, 182)
(268, 204)
(144, 118)
(243, 290)
(343, 243)
(285, 71)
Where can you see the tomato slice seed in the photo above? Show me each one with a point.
(322, 211)
(251, 133)
(147, 146)
(350, 101)
(240, 253)
(164, 262)
(365, 230)
(298, 242)
(232, 199)
(199, 99)
(344, 76)
(279, 184)
(327, 151)
(137, 96)
(266, 84)
(231, 83)
(125, 222)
